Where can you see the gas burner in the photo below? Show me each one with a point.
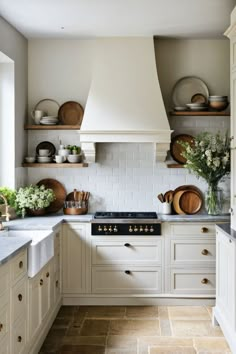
(124, 215)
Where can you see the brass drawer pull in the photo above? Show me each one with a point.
(1, 326)
(41, 282)
(47, 274)
(204, 230)
(21, 264)
(19, 339)
(20, 297)
(127, 272)
(204, 281)
(205, 252)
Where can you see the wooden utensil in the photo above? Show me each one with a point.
(176, 149)
(59, 191)
(168, 196)
(161, 197)
(190, 202)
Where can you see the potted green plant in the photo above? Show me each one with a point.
(33, 200)
(10, 195)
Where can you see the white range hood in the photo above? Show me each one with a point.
(125, 102)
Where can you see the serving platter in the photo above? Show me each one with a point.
(60, 194)
(186, 88)
(176, 149)
(71, 113)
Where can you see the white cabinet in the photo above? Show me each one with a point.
(190, 258)
(74, 258)
(34, 305)
(225, 309)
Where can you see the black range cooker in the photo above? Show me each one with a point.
(125, 223)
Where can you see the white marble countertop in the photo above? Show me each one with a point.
(10, 246)
(226, 229)
(194, 218)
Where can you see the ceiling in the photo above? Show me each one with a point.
(93, 18)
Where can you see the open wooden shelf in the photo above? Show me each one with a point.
(55, 165)
(175, 165)
(203, 113)
(51, 127)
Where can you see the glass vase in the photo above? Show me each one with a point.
(214, 200)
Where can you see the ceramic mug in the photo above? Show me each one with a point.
(37, 115)
(59, 158)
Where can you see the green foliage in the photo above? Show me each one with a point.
(33, 197)
(9, 194)
(208, 157)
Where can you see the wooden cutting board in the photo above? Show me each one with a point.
(176, 149)
(175, 203)
(59, 191)
(190, 202)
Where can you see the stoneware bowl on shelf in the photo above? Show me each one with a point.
(30, 159)
(74, 158)
(218, 103)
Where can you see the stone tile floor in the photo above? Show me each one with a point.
(134, 330)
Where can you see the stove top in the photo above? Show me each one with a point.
(124, 215)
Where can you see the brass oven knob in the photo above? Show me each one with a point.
(151, 229)
(99, 228)
(141, 228)
(146, 229)
(204, 230)
(205, 252)
(20, 297)
(104, 228)
(135, 228)
(115, 229)
(110, 229)
(130, 229)
(204, 281)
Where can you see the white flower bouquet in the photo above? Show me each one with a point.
(209, 158)
(34, 198)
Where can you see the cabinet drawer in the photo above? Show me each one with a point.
(4, 319)
(18, 337)
(126, 280)
(192, 281)
(4, 278)
(119, 252)
(193, 229)
(19, 299)
(193, 251)
(19, 266)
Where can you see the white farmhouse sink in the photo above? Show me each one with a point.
(41, 249)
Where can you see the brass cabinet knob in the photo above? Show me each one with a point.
(19, 339)
(1, 326)
(204, 281)
(47, 274)
(20, 297)
(205, 252)
(127, 272)
(21, 264)
(127, 244)
(204, 230)
(57, 283)
(41, 282)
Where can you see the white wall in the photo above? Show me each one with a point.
(14, 45)
(125, 176)
(207, 59)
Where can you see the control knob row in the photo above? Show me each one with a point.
(141, 229)
(105, 228)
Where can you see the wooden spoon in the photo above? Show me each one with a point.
(161, 197)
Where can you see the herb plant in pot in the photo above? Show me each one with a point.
(33, 200)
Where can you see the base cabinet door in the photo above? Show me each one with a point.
(45, 291)
(19, 337)
(73, 259)
(34, 305)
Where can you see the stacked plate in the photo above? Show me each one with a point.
(49, 120)
(44, 159)
(197, 106)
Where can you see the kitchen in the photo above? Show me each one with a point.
(125, 176)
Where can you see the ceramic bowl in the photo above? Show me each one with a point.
(44, 152)
(44, 159)
(218, 105)
(74, 158)
(30, 159)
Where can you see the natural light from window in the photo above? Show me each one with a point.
(7, 122)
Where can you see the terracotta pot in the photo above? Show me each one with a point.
(36, 212)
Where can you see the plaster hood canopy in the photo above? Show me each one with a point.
(125, 102)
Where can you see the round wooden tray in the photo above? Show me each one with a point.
(190, 202)
(176, 149)
(71, 113)
(59, 191)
